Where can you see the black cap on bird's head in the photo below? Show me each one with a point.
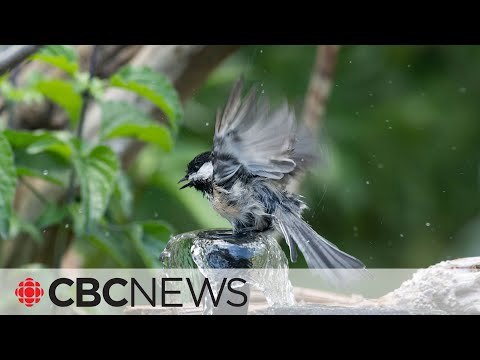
(199, 173)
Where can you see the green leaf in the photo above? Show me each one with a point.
(97, 172)
(24, 171)
(153, 86)
(122, 195)
(20, 139)
(61, 56)
(149, 239)
(52, 214)
(4, 77)
(64, 95)
(51, 143)
(123, 119)
(24, 94)
(103, 241)
(35, 142)
(7, 185)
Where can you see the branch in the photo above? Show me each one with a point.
(449, 287)
(320, 85)
(14, 55)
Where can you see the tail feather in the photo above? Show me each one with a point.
(318, 252)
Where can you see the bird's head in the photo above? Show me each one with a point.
(199, 173)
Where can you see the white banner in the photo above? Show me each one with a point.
(235, 291)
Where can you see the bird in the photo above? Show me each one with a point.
(257, 153)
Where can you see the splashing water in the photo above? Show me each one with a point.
(255, 257)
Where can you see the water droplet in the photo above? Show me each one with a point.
(45, 172)
(350, 61)
(401, 235)
(206, 124)
(370, 94)
(389, 81)
(367, 182)
(355, 228)
(387, 121)
(380, 166)
(261, 84)
(155, 215)
(67, 226)
(444, 191)
(462, 90)
(372, 106)
(357, 113)
(450, 237)
(261, 51)
(263, 91)
(409, 65)
(390, 128)
(454, 148)
(427, 224)
(44, 231)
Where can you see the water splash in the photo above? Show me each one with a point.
(255, 257)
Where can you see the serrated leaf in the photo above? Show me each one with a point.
(153, 86)
(61, 56)
(122, 119)
(7, 185)
(52, 144)
(97, 172)
(123, 195)
(24, 171)
(64, 95)
(39, 141)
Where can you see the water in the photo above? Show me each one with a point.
(255, 257)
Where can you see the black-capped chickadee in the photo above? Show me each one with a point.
(256, 154)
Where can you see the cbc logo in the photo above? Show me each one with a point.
(29, 292)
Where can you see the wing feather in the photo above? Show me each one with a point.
(248, 134)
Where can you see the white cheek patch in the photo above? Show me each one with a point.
(204, 173)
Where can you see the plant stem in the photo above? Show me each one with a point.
(14, 55)
(86, 98)
(86, 94)
(62, 238)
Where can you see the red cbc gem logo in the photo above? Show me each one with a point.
(29, 292)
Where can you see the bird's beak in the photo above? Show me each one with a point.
(186, 185)
(185, 178)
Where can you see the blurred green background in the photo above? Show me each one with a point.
(398, 185)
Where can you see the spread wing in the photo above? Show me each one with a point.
(250, 136)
